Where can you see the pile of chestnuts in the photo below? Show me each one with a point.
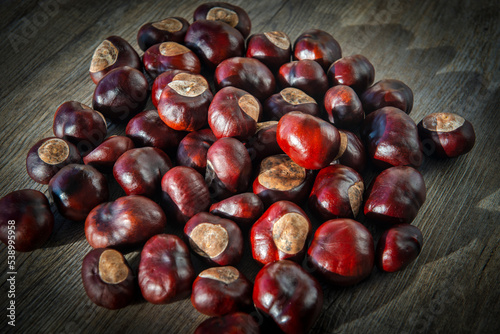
(244, 144)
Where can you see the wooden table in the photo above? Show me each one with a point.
(447, 51)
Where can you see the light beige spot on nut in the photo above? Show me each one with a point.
(355, 194)
(250, 106)
(279, 172)
(170, 49)
(295, 96)
(53, 151)
(223, 14)
(169, 24)
(290, 233)
(226, 274)
(209, 240)
(442, 122)
(190, 85)
(278, 38)
(112, 267)
(104, 56)
(343, 145)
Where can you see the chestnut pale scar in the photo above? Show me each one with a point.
(53, 151)
(296, 96)
(170, 49)
(355, 194)
(442, 122)
(278, 38)
(279, 172)
(191, 85)
(209, 240)
(226, 274)
(169, 24)
(112, 267)
(290, 233)
(104, 56)
(223, 14)
(250, 106)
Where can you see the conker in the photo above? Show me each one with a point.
(163, 80)
(193, 148)
(287, 100)
(171, 29)
(306, 75)
(104, 156)
(244, 209)
(272, 48)
(354, 71)
(263, 143)
(343, 107)
(170, 56)
(225, 12)
(351, 152)
(317, 45)
(387, 93)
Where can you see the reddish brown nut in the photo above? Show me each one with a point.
(229, 168)
(165, 271)
(289, 99)
(48, 156)
(107, 278)
(171, 29)
(193, 148)
(244, 209)
(225, 12)
(184, 103)
(289, 295)
(162, 81)
(305, 75)
(104, 156)
(354, 71)
(221, 290)
(280, 233)
(395, 196)
(337, 193)
(446, 135)
(351, 152)
(235, 323)
(343, 107)
(125, 222)
(311, 142)
(139, 171)
(77, 189)
(113, 52)
(214, 41)
(398, 247)
(263, 143)
(272, 48)
(218, 241)
(234, 113)
(122, 93)
(317, 45)
(391, 138)
(170, 56)
(387, 93)
(26, 221)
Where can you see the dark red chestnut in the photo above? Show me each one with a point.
(163, 80)
(235, 323)
(171, 29)
(107, 278)
(395, 196)
(446, 135)
(343, 107)
(354, 71)
(244, 209)
(280, 233)
(77, 189)
(289, 99)
(352, 151)
(104, 156)
(306, 75)
(221, 290)
(263, 143)
(225, 12)
(170, 56)
(26, 221)
(218, 241)
(398, 247)
(48, 156)
(165, 271)
(127, 221)
(113, 52)
(387, 93)
(342, 252)
(193, 148)
(272, 48)
(317, 45)
(289, 295)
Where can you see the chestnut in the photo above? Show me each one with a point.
(306, 75)
(287, 100)
(139, 170)
(391, 138)
(398, 247)
(113, 52)
(289, 295)
(244, 209)
(225, 12)
(343, 107)
(237, 323)
(77, 189)
(395, 196)
(354, 71)
(193, 148)
(184, 103)
(122, 93)
(218, 241)
(387, 93)
(446, 135)
(342, 252)
(214, 41)
(248, 74)
(170, 56)
(48, 156)
(171, 29)
(26, 221)
(127, 221)
(272, 48)
(317, 45)
(351, 152)
(163, 80)
(221, 290)
(107, 278)
(280, 233)
(229, 168)
(337, 193)
(104, 156)
(165, 271)
(184, 193)
(310, 141)
(263, 143)
(234, 113)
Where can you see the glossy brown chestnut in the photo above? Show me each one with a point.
(165, 271)
(104, 156)
(127, 221)
(171, 29)
(352, 151)
(26, 221)
(391, 138)
(139, 170)
(395, 196)
(234, 113)
(218, 241)
(280, 233)
(317, 45)
(398, 247)
(170, 56)
(310, 141)
(272, 48)
(387, 93)
(306, 75)
(221, 290)
(77, 189)
(244, 209)
(113, 52)
(289, 99)
(354, 71)
(107, 278)
(162, 81)
(48, 156)
(263, 143)
(214, 41)
(446, 135)
(225, 12)
(121, 94)
(343, 107)
(234, 323)
(193, 148)
(289, 295)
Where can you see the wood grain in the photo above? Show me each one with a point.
(447, 51)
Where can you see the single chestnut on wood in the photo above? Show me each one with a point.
(317, 45)
(225, 12)
(272, 48)
(193, 148)
(287, 100)
(387, 93)
(104, 156)
(354, 71)
(343, 107)
(351, 152)
(171, 29)
(170, 56)
(244, 209)
(240, 323)
(306, 75)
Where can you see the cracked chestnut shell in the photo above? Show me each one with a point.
(225, 12)
(234, 323)
(170, 29)
(104, 156)
(387, 93)
(317, 45)
(244, 209)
